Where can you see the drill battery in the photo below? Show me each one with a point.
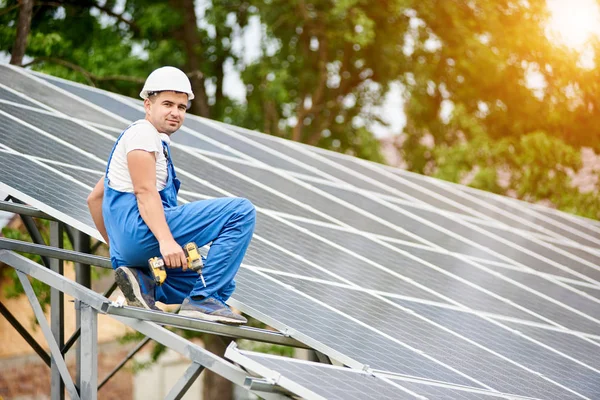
(157, 270)
(193, 256)
(194, 262)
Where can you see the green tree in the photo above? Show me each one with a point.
(324, 68)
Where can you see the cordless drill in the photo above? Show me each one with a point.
(194, 262)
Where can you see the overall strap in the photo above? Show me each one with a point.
(167, 152)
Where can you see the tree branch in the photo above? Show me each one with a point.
(91, 78)
(104, 9)
(119, 17)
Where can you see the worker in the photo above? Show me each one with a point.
(134, 207)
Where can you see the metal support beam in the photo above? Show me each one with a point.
(77, 332)
(25, 334)
(185, 382)
(35, 235)
(95, 247)
(264, 385)
(100, 304)
(322, 358)
(57, 312)
(103, 305)
(71, 234)
(88, 364)
(83, 276)
(65, 285)
(53, 252)
(186, 348)
(128, 357)
(19, 208)
(194, 352)
(83, 272)
(54, 349)
(193, 324)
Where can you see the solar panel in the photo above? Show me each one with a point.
(419, 280)
(326, 380)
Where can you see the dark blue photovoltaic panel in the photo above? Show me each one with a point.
(514, 347)
(53, 98)
(327, 381)
(430, 233)
(344, 384)
(447, 285)
(291, 151)
(471, 359)
(68, 131)
(336, 331)
(40, 183)
(339, 262)
(100, 99)
(237, 186)
(13, 98)
(577, 347)
(22, 139)
(247, 148)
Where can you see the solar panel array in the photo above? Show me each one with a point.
(432, 288)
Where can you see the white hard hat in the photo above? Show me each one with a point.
(167, 78)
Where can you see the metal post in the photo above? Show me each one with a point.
(88, 388)
(69, 343)
(57, 311)
(128, 357)
(57, 360)
(185, 382)
(25, 334)
(83, 276)
(35, 234)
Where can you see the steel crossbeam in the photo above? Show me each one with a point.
(53, 252)
(185, 382)
(145, 321)
(57, 359)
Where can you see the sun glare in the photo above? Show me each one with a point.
(573, 22)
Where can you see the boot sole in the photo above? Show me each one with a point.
(130, 288)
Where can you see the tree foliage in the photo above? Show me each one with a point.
(488, 93)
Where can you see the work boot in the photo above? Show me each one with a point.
(210, 309)
(137, 287)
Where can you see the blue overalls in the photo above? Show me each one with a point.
(226, 222)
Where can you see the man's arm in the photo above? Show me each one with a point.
(142, 169)
(94, 202)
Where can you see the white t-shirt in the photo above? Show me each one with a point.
(141, 135)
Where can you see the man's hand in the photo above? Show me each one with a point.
(172, 254)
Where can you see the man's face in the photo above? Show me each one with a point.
(166, 111)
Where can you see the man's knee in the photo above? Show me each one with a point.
(246, 208)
